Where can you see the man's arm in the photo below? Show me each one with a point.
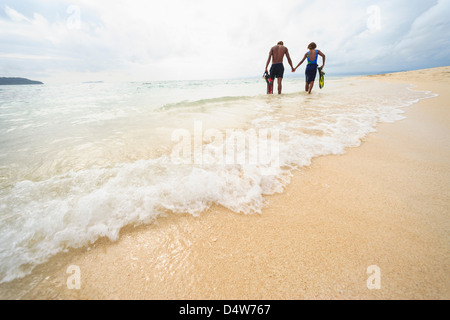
(304, 58)
(323, 58)
(289, 60)
(268, 60)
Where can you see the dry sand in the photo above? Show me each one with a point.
(385, 203)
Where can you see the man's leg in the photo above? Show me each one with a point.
(279, 85)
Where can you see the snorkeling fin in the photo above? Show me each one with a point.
(269, 83)
(321, 78)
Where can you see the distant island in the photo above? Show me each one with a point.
(17, 81)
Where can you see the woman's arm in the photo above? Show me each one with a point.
(300, 63)
(323, 58)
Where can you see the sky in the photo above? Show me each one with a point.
(142, 40)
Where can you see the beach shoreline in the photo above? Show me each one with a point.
(384, 204)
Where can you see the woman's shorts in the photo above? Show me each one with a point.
(311, 71)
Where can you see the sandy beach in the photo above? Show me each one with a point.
(384, 204)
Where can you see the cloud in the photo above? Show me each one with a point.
(32, 57)
(170, 39)
(178, 39)
(428, 38)
(14, 15)
(386, 35)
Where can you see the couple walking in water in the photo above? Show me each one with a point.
(277, 54)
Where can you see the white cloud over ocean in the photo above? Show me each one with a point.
(198, 39)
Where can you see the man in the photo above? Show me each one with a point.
(311, 68)
(276, 54)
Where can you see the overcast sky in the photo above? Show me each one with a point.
(81, 40)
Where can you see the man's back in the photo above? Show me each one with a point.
(278, 53)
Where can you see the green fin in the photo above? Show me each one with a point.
(322, 78)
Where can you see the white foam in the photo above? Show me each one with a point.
(43, 217)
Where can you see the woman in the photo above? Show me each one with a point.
(311, 68)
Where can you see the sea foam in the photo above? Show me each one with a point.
(113, 165)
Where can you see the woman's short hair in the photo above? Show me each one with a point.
(312, 45)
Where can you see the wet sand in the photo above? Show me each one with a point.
(384, 204)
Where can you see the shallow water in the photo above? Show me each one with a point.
(81, 161)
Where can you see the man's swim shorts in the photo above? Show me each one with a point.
(276, 71)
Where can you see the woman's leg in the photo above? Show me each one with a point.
(311, 85)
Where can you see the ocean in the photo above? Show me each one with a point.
(81, 161)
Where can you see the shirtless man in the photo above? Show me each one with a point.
(277, 70)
